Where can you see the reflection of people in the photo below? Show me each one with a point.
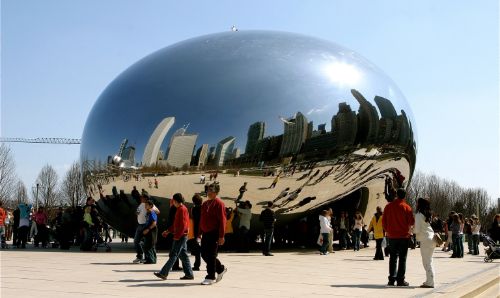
(242, 191)
(212, 229)
(244, 211)
(397, 221)
(425, 235)
(275, 181)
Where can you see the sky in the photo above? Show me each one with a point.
(58, 56)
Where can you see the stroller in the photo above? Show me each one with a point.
(97, 240)
(492, 250)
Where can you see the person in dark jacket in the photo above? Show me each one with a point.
(268, 217)
(193, 243)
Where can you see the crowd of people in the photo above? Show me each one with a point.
(208, 226)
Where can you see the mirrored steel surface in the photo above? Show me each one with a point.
(250, 106)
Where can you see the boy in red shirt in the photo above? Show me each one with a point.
(179, 246)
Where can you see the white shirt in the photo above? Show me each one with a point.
(358, 224)
(324, 224)
(422, 229)
(141, 214)
(245, 217)
(475, 229)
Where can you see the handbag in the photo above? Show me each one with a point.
(437, 239)
(320, 240)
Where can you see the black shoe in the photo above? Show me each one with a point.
(390, 283)
(269, 254)
(159, 275)
(196, 269)
(402, 284)
(187, 277)
(149, 262)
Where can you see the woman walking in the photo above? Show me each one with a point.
(325, 228)
(425, 235)
(358, 227)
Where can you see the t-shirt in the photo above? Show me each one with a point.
(141, 213)
(151, 216)
(245, 217)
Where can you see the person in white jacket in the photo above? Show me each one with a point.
(425, 235)
(325, 229)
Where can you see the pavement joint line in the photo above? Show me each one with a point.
(482, 288)
(442, 289)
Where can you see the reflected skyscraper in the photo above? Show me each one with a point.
(255, 134)
(367, 120)
(345, 125)
(153, 146)
(224, 151)
(181, 150)
(201, 156)
(296, 132)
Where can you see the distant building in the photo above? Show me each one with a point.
(153, 146)
(201, 157)
(367, 120)
(295, 133)
(236, 153)
(224, 151)
(128, 154)
(255, 134)
(181, 150)
(122, 147)
(385, 107)
(345, 126)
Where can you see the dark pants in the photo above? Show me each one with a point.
(398, 250)
(457, 248)
(137, 240)
(268, 239)
(475, 244)
(41, 235)
(356, 238)
(378, 250)
(324, 244)
(22, 234)
(343, 238)
(149, 246)
(209, 251)
(195, 248)
(243, 245)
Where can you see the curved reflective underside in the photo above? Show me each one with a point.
(251, 107)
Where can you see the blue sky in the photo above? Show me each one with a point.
(58, 56)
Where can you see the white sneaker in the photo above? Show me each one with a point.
(208, 282)
(137, 261)
(219, 276)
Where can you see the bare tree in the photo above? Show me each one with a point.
(47, 187)
(7, 174)
(72, 188)
(20, 193)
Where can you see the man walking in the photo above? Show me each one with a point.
(142, 217)
(179, 247)
(268, 217)
(397, 221)
(212, 229)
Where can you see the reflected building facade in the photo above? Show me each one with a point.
(362, 147)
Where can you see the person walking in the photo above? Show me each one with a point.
(142, 214)
(180, 230)
(397, 221)
(378, 233)
(425, 234)
(268, 218)
(194, 244)
(325, 229)
(357, 228)
(476, 228)
(242, 191)
(212, 229)
(150, 233)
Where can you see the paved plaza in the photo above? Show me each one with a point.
(301, 273)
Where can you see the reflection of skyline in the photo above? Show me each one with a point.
(349, 129)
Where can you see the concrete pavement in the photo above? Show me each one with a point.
(301, 273)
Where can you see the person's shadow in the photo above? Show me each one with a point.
(371, 286)
(163, 283)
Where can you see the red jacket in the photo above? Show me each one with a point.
(397, 219)
(213, 217)
(180, 226)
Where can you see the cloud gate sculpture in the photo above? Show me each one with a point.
(304, 122)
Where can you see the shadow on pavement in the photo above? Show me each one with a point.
(117, 263)
(166, 284)
(366, 286)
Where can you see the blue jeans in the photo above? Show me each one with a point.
(357, 236)
(475, 244)
(178, 250)
(342, 239)
(268, 238)
(398, 250)
(137, 240)
(457, 248)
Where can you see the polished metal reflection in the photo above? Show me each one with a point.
(249, 106)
